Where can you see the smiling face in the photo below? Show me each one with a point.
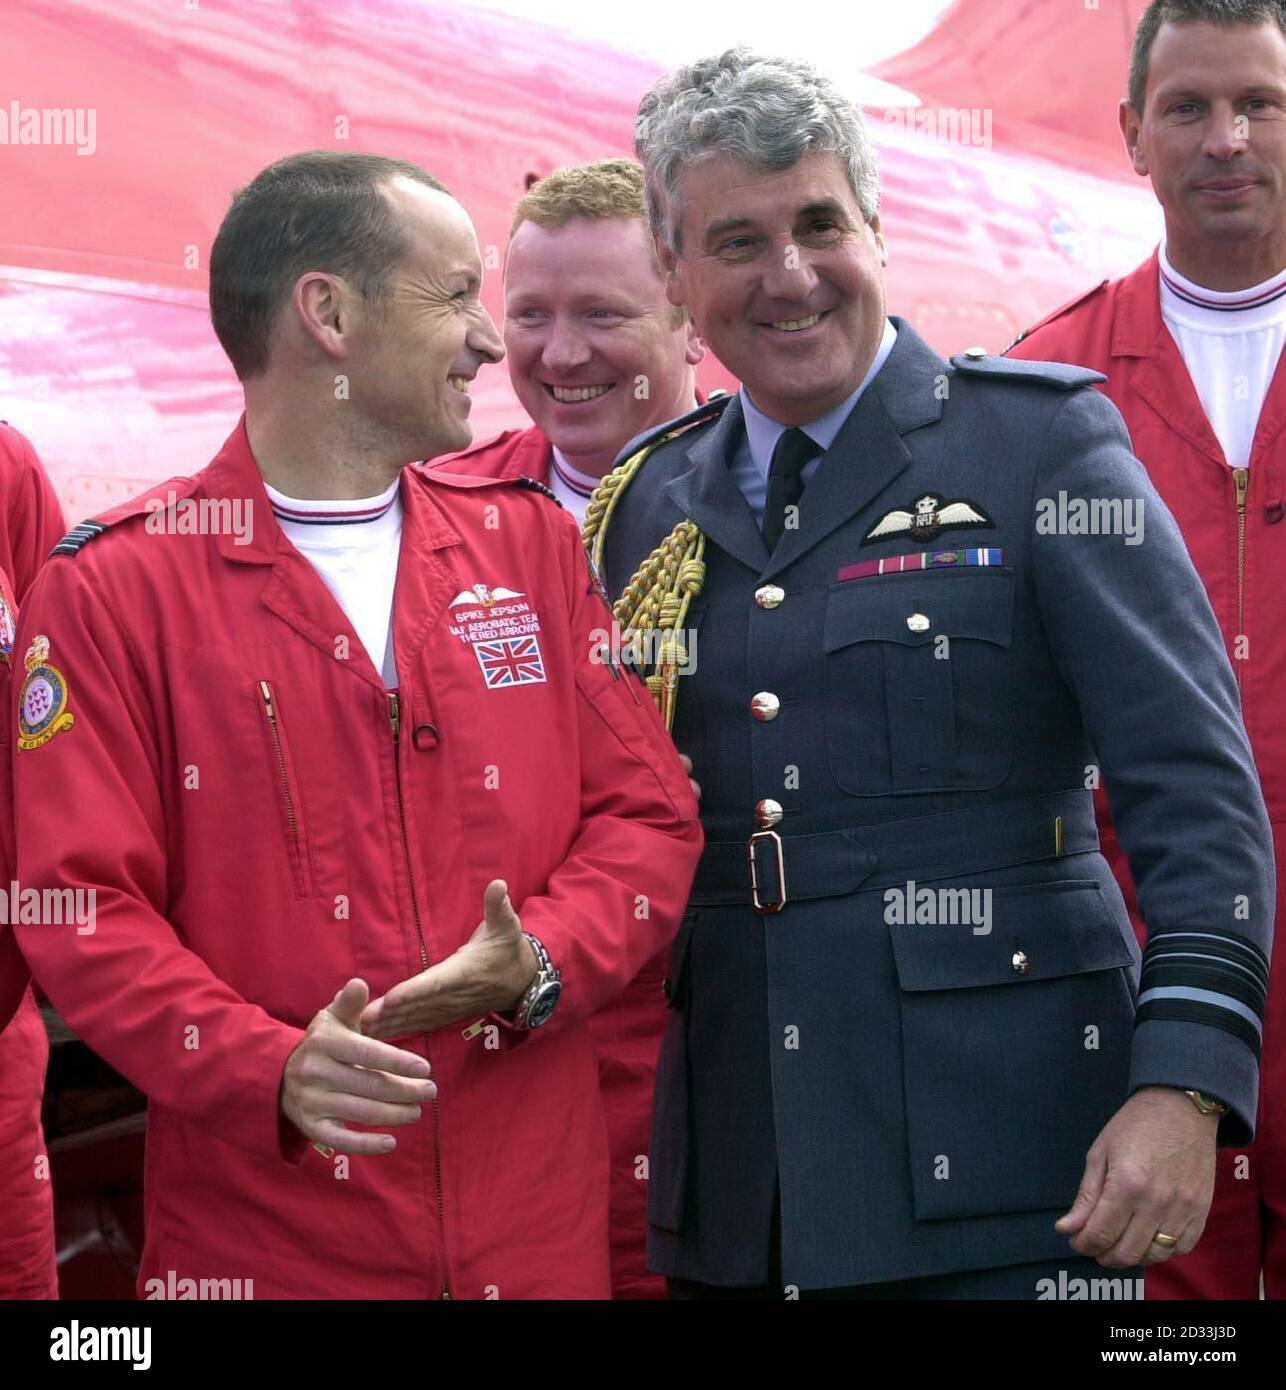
(415, 354)
(782, 277)
(587, 324)
(1212, 139)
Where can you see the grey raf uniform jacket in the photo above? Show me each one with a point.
(921, 1080)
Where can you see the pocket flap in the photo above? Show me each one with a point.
(976, 603)
(676, 977)
(1064, 928)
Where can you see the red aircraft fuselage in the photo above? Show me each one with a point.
(107, 360)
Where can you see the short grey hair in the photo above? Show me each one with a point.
(767, 112)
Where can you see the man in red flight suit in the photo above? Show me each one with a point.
(1190, 344)
(597, 355)
(30, 524)
(331, 741)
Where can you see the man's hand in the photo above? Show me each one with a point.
(1152, 1168)
(489, 973)
(692, 781)
(335, 1075)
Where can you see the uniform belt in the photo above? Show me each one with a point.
(790, 868)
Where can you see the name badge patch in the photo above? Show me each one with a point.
(502, 628)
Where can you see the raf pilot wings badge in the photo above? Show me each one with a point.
(927, 522)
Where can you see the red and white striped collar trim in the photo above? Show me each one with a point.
(1221, 302)
(572, 479)
(308, 513)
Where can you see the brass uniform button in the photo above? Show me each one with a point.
(765, 705)
(769, 596)
(1019, 962)
(767, 813)
(917, 622)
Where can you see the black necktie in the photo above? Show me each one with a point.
(785, 481)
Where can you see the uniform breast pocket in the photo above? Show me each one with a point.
(917, 681)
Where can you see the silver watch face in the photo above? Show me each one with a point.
(542, 1007)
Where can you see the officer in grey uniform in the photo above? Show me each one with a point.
(911, 1051)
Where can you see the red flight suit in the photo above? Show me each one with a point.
(262, 820)
(627, 1033)
(30, 525)
(1238, 545)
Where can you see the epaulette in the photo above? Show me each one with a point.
(81, 534)
(1059, 375)
(535, 485)
(709, 410)
(1058, 313)
(78, 536)
(444, 478)
(479, 447)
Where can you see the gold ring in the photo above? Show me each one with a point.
(1165, 1241)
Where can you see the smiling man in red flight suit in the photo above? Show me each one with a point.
(1190, 344)
(597, 355)
(281, 717)
(30, 523)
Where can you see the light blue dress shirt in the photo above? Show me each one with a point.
(753, 456)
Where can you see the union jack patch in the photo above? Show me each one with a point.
(510, 661)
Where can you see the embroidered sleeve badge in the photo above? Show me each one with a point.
(42, 710)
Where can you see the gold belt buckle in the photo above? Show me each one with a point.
(763, 909)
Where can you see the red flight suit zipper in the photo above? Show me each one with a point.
(395, 721)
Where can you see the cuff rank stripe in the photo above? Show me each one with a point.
(1208, 977)
(1223, 946)
(1211, 978)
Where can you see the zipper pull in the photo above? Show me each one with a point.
(395, 715)
(266, 691)
(472, 1031)
(1241, 480)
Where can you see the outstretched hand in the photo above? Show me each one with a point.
(489, 973)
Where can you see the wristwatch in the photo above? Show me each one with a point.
(539, 998)
(1206, 1104)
